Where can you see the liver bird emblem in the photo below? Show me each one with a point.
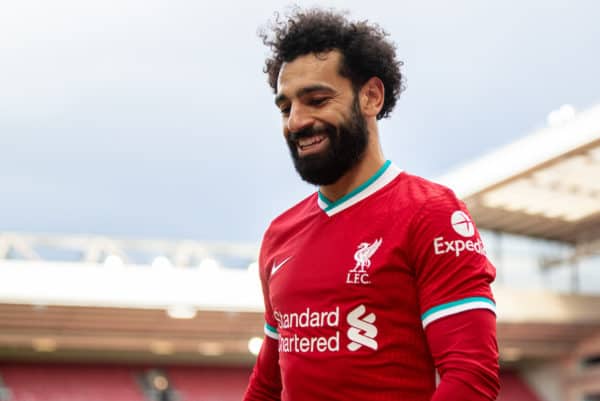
(364, 253)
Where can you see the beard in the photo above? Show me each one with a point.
(347, 145)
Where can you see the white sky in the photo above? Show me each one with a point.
(153, 118)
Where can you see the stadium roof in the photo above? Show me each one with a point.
(546, 185)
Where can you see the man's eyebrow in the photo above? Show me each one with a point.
(304, 91)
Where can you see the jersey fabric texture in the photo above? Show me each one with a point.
(351, 286)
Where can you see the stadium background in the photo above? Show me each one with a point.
(105, 127)
(95, 317)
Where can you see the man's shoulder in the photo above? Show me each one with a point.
(431, 202)
(420, 191)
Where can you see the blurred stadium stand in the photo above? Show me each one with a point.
(30, 382)
(109, 313)
(209, 383)
(513, 388)
(538, 201)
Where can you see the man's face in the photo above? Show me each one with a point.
(322, 122)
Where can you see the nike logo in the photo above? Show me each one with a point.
(279, 266)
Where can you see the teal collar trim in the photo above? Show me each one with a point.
(382, 177)
(323, 199)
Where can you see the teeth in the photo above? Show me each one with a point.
(305, 142)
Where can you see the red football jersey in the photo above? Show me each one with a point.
(350, 287)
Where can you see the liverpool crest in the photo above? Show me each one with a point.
(359, 273)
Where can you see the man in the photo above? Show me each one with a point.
(380, 279)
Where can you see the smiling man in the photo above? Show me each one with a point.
(379, 279)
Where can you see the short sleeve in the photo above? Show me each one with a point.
(452, 271)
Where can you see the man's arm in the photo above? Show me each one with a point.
(453, 277)
(465, 353)
(265, 381)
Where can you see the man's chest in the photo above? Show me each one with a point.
(337, 263)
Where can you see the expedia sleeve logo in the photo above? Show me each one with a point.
(462, 224)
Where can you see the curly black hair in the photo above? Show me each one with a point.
(365, 50)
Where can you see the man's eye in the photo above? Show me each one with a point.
(317, 101)
(285, 110)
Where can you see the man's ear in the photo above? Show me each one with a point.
(371, 97)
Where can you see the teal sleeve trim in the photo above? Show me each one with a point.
(451, 308)
(270, 328)
(271, 332)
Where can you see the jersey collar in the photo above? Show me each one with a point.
(380, 179)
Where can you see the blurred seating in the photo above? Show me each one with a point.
(209, 383)
(513, 388)
(49, 382)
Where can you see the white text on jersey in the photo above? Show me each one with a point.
(441, 246)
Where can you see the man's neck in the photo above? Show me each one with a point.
(359, 174)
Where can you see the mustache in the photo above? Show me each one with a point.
(327, 129)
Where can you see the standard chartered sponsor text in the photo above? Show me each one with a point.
(309, 319)
(296, 343)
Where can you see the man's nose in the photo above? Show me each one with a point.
(298, 119)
